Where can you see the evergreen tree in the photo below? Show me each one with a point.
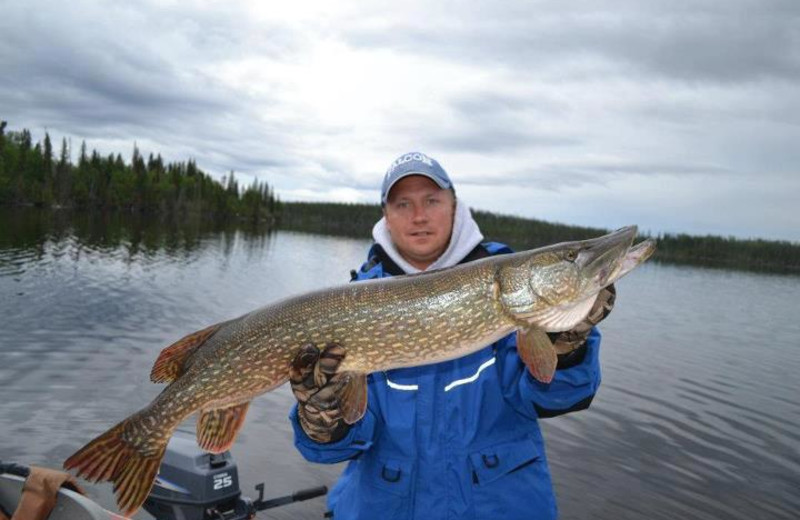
(140, 198)
(63, 173)
(83, 159)
(4, 179)
(48, 155)
(48, 172)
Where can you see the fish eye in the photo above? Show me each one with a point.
(571, 255)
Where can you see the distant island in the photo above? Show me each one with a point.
(32, 175)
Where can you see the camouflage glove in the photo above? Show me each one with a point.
(309, 376)
(570, 344)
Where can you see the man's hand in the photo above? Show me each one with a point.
(309, 376)
(568, 344)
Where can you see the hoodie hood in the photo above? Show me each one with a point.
(463, 240)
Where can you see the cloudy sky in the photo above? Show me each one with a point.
(676, 115)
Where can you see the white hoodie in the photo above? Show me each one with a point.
(464, 238)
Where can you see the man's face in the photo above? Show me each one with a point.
(419, 216)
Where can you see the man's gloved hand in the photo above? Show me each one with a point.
(309, 376)
(569, 344)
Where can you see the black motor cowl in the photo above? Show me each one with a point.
(195, 485)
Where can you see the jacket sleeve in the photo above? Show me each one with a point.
(572, 388)
(358, 439)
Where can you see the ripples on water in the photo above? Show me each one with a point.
(697, 417)
(698, 414)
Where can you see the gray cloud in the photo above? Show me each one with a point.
(108, 72)
(601, 98)
(689, 41)
(482, 139)
(496, 122)
(560, 176)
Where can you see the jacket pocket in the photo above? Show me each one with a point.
(511, 480)
(381, 489)
(391, 475)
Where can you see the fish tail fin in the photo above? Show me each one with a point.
(112, 457)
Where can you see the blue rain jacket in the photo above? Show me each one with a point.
(454, 440)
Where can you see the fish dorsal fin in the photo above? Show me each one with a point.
(169, 365)
(537, 352)
(217, 428)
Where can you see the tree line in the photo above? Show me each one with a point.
(32, 174)
(356, 220)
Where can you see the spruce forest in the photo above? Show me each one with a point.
(33, 174)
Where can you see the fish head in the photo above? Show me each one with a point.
(555, 287)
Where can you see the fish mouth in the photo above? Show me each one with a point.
(608, 258)
(601, 258)
(635, 256)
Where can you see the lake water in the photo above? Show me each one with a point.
(698, 415)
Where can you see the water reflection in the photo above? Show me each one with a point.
(28, 234)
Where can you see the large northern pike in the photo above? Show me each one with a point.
(382, 324)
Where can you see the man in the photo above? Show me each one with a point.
(453, 440)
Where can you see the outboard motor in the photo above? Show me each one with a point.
(195, 485)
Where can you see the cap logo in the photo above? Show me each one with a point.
(421, 157)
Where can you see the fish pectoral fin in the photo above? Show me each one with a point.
(217, 428)
(537, 352)
(352, 395)
(169, 365)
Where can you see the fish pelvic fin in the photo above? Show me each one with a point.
(113, 457)
(537, 352)
(217, 428)
(170, 363)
